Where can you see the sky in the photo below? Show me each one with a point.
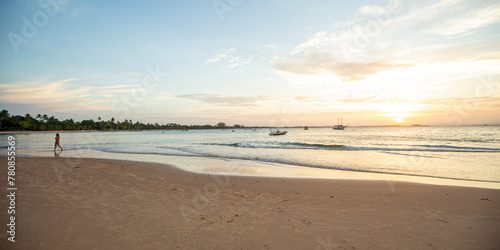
(265, 63)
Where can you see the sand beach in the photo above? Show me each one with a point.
(65, 203)
(154, 125)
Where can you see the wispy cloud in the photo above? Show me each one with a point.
(360, 100)
(63, 95)
(381, 39)
(47, 92)
(230, 58)
(325, 64)
(221, 55)
(226, 100)
(461, 17)
(144, 77)
(349, 100)
(467, 102)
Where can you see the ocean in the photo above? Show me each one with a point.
(468, 153)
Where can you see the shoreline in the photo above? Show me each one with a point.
(251, 168)
(248, 128)
(98, 203)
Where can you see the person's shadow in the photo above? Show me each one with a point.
(57, 154)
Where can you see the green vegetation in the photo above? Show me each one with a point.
(45, 123)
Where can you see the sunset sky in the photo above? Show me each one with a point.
(270, 63)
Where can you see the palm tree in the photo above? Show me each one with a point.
(4, 116)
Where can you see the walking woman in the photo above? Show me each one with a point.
(58, 138)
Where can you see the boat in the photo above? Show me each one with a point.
(339, 125)
(277, 132)
(306, 128)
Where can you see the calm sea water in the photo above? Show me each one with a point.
(458, 153)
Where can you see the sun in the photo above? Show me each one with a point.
(399, 119)
(398, 111)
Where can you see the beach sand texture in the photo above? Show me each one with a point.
(65, 203)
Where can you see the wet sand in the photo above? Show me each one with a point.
(67, 203)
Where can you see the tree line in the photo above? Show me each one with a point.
(48, 123)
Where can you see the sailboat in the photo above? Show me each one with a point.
(339, 125)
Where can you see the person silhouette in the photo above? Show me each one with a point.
(58, 139)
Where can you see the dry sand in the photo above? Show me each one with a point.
(64, 203)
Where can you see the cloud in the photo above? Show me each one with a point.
(400, 34)
(46, 92)
(221, 55)
(325, 64)
(63, 95)
(228, 56)
(269, 47)
(361, 100)
(226, 100)
(465, 103)
(328, 101)
(461, 17)
(306, 99)
(151, 77)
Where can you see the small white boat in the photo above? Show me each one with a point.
(277, 132)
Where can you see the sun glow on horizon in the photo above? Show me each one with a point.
(398, 111)
(399, 119)
(361, 60)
